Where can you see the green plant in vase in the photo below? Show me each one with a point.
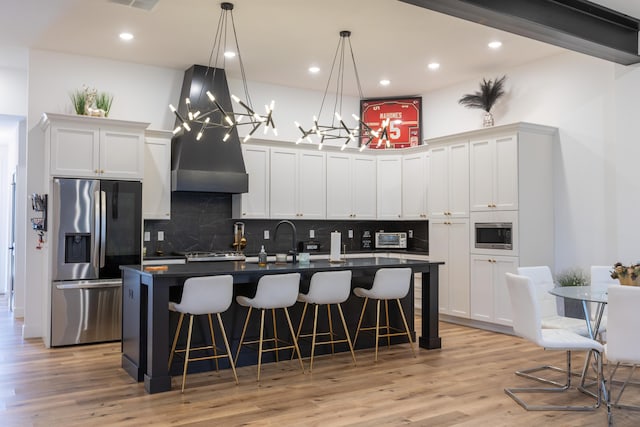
(573, 277)
(103, 102)
(79, 101)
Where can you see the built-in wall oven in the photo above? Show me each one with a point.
(96, 227)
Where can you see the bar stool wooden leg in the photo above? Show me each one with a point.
(364, 306)
(375, 359)
(226, 344)
(186, 355)
(275, 333)
(330, 328)
(293, 336)
(175, 340)
(313, 338)
(260, 342)
(244, 331)
(213, 341)
(388, 327)
(406, 328)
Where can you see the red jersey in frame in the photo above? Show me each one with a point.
(405, 121)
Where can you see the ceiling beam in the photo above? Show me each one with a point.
(577, 25)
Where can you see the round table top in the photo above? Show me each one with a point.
(582, 293)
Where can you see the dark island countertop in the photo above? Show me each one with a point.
(145, 341)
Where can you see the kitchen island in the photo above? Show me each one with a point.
(146, 319)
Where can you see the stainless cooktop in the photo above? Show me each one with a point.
(197, 256)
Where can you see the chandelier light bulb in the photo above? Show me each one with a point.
(177, 129)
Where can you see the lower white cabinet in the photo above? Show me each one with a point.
(156, 186)
(489, 295)
(449, 242)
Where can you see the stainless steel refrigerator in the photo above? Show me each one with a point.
(96, 227)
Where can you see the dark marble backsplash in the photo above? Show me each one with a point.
(202, 222)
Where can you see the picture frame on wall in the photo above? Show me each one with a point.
(405, 121)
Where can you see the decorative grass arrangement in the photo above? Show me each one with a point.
(88, 102)
(103, 102)
(79, 101)
(490, 91)
(575, 277)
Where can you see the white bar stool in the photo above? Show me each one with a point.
(273, 291)
(326, 288)
(388, 283)
(203, 295)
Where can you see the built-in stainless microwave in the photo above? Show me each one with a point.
(494, 235)
(391, 240)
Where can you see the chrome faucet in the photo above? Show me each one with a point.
(293, 251)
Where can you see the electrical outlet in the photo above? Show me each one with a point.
(411, 234)
(351, 234)
(160, 236)
(312, 234)
(147, 236)
(266, 234)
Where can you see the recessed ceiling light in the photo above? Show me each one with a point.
(385, 82)
(229, 54)
(126, 36)
(495, 44)
(314, 70)
(433, 66)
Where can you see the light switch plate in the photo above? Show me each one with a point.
(351, 234)
(147, 236)
(266, 234)
(160, 236)
(411, 234)
(312, 234)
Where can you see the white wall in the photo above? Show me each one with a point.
(593, 103)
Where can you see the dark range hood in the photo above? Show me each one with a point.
(208, 165)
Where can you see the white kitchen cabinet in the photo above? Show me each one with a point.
(417, 281)
(351, 187)
(92, 147)
(297, 184)
(448, 196)
(489, 295)
(415, 173)
(449, 242)
(493, 169)
(156, 186)
(255, 203)
(389, 187)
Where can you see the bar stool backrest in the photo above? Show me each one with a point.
(623, 334)
(277, 291)
(330, 287)
(391, 283)
(204, 295)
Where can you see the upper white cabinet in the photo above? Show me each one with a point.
(448, 196)
(351, 187)
(494, 173)
(156, 187)
(254, 203)
(297, 184)
(389, 187)
(92, 147)
(415, 173)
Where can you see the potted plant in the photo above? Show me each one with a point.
(103, 102)
(490, 91)
(627, 275)
(573, 277)
(79, 101)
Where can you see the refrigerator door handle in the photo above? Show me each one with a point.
(95, 258)
(103, 226)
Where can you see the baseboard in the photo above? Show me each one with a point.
(502, 329)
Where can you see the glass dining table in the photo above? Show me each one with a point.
(588, 295)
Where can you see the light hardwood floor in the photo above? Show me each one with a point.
(459, 385)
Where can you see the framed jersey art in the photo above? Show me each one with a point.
(405, 122)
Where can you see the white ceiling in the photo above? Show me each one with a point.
(279, 39)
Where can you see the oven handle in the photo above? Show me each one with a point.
(98, 285)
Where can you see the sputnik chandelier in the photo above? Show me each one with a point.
(216, 116)
(337, 129)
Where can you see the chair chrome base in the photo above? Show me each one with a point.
(615, 403)
(513, 392)
(386, 327)
(275, 340)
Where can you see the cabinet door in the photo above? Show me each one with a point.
(506, 173)
(389, 186)
(459, 267)
(438, 196)
(481, 166)
(439, 251)
(481, 287)
(121, 155)
(75, 152)
(459, 180)
(414, 186)
(339, 186)
(254, 203)
(363, 187)
(501, 303)
(156, 186)
(312, 185)
(283, 186)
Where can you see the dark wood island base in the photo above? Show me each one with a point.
(146, 319)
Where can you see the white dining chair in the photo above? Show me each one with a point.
(623, 339)
(600, 281)
(527, 323)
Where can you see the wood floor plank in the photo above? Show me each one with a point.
(459, 385)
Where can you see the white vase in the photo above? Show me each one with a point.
(487, 121)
